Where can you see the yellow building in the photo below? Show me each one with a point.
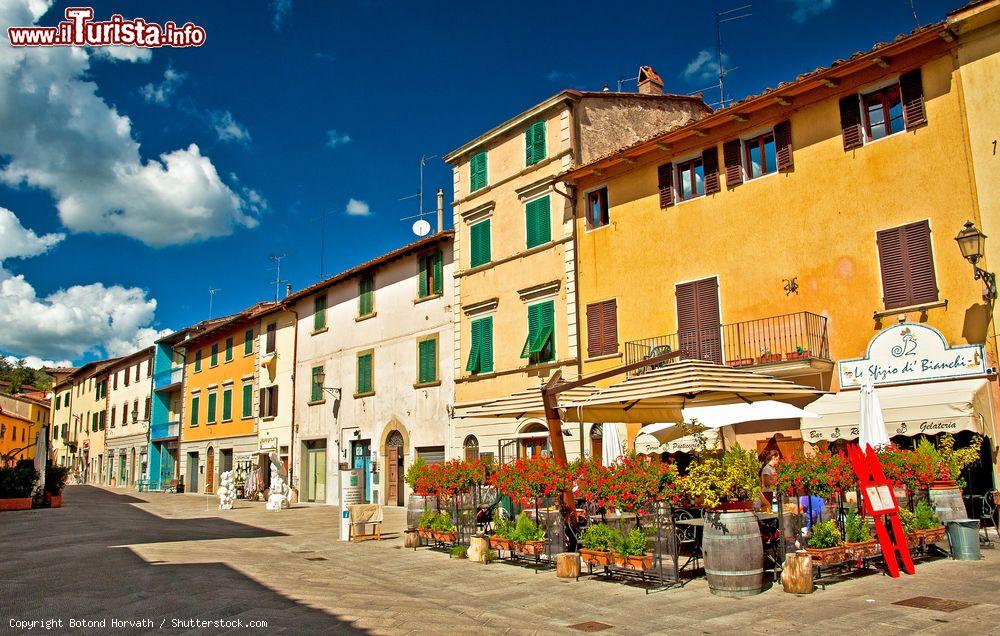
(63, 437)
(218, 419)
(785, 232)
(515, 281)
(17, 436)
(88, 421)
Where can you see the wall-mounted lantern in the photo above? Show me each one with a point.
(972, 242)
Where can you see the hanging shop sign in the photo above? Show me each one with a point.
(268, 443)
(911, 352)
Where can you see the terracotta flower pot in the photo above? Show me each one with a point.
(618, 560)
(599, 558)
(17, 503)
(640, 562)
(912, 540)
(932, 535)
(445, 536)
(533, 548)
(500, 543)
(425, 533)
(836, 554)
(53, 501)
(942, 484)
(862, 550)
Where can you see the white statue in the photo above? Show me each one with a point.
(227, 490)
(279, 494)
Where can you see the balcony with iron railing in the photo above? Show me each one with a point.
(167, 378)
(778, 345)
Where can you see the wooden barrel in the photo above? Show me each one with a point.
(947, 503)
(734, 554)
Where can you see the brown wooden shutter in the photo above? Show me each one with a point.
(261, 403)
(698, 326)
(907, 265)
(734, 167)
(850, 122)
(602, 328)
(665, 182)
(710, 163)
(783, 145)
(594, 329)
(911, 90)
(273, 405)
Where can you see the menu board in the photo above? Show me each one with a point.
(880, 499)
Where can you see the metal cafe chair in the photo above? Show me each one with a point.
(987, 506)
(687, 537)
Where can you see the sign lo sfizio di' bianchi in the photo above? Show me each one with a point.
(910, 352)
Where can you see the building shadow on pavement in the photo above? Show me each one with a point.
(67, 564)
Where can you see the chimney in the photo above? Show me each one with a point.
(440, 210)
(288, 290)
(649, 82)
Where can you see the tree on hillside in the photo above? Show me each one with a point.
(19, 376)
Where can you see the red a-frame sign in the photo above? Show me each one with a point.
(880, 503)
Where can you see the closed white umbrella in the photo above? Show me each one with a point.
(871, 431)
(611, 445)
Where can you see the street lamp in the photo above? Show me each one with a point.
(972, 243)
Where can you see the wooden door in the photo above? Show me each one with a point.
(392, 485)
(699, 328)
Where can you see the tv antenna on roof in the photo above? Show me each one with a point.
(277, 280)
(211, 298)
(720, 17)
(421, 227)
(626, 79)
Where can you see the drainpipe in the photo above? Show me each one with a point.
(295, 358)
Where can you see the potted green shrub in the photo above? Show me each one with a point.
(529, 536)
(503, 533)
(825, 544)
(17, 484)
(926, 525)
(858, 537)
(632, 549)
(443, 529)
(597, 542)
(908, 520)
(55, 482)
(425, 525)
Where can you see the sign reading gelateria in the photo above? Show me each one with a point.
(911, 352)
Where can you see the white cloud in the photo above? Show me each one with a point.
(58, 134)
(802, 10)
(35, 362)
(279, 11)
(227, 128)
(357, 208)
(162, 93)
(122, 53)
(335, 138)
(68, 323)
(704, 67)
(16, 241)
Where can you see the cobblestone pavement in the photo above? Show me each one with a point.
(107, 554)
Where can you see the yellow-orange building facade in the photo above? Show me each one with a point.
(811, 226)
(218, 419)
(17, 436)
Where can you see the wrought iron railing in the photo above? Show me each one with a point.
(798, 336)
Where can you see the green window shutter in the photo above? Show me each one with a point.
(486, 344)
(364, 383)
(534, 143)
(197, 360)
(479, 238)
(534, 318)
(427, 364)
(438, 272)
(538, 222)
(212, 399)
(194, 410)
(215, 354)
(423, 284)
(227, 404)
(365, 292)
(247, 403)
(248, 342)
(546, 328)
(477, 172)
(229, 348)
(317, 388)
(319, 313)
(474, 348)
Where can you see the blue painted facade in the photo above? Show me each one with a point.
(164, 425)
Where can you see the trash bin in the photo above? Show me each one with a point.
(963, 535)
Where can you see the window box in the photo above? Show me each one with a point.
(798, 355)
(770, 357)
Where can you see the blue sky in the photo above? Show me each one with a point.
(299, 107)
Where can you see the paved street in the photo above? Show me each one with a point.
(108, 555)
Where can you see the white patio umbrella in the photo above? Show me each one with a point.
(611, 445)
(871, 431)
(699, 418)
